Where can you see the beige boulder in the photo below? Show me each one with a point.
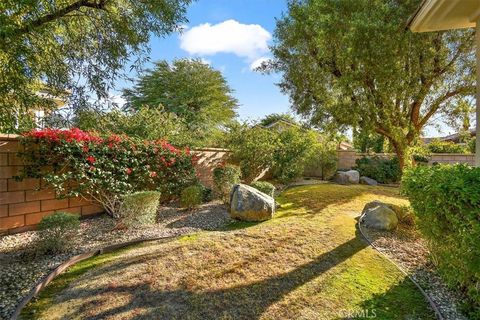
(249, 204)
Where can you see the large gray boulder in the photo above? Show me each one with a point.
(353, 176)
(249, 204)
(379, 215)
(347, 177)
(368, 181)
(340, 177)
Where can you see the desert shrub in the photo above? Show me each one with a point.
(252, 149)
(191, 197)
(265, 187)
(224, 178)
(323, 158)
(420, 154)
(446, 202)
(471, 145)
(78, 163)
(207, 193)
(438, 146)
(57, 231)
(293, 149)
(139, 208)
(381, 169)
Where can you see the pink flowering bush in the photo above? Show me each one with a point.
(78, 163)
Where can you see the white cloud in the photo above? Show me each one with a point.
(258, 62)
(244, 40)
(206, 61)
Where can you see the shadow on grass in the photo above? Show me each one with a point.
(248, 301)
(386, 305)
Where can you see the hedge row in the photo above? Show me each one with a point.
(446, 201)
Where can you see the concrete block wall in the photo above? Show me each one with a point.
(346, 158)
(24, 203)
(208, 159)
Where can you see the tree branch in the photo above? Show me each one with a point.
(99, 5)
(438, 102)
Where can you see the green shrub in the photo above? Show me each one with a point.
(139, 209)
(381, 169)
(265, 187)
(471, 145)
(253, 149)
(207, 193)
(191, 197)
(57, 231)
(446, 202)
(438, 146)
(420, 154)
(322, 160)
(224, 178)
(293, 150)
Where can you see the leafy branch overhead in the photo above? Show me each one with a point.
(74, 47)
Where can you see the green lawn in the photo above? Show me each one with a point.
(308, 263)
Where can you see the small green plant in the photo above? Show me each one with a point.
(438, 146)
(139, 208)
(191, 197)
(265, 187)
(207, 193)
(57, 231)
(224, 178)
(381, 169)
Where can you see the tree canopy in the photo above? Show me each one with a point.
(189, 88)
(274, 117)
(352, 63)
(74, 47)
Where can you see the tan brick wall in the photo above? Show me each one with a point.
(346, 159)
(208, 159)
(23, 203)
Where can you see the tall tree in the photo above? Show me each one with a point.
(73, 47)
(353, 63)
(189, 88)
(274, 117)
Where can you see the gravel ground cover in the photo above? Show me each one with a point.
(21, 268)
(409, 250)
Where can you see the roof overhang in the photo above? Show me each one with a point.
(437, 15)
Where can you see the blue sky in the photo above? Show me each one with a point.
(244, 27)
(233, 35)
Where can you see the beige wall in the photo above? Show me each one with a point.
(346, 159)
(24, 203)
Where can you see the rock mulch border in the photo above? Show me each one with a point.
(435, 308)
(21, 269)
(72, 261)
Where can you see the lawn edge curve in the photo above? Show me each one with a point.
(438, 314)
(42, 283)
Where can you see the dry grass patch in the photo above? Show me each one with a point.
(307, 263)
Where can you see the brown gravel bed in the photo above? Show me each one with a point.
(410, 251)
(21, 268)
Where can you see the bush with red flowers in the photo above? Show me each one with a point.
(78, 163)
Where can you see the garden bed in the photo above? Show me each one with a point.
(409, 250)
(21, 268)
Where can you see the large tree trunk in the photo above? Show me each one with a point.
(400, 151)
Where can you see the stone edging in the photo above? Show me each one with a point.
(438, 314)
(72, 261)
